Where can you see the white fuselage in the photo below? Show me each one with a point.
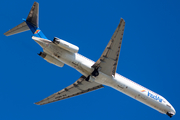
(118, 82)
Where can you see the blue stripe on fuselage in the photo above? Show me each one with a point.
(35, 30)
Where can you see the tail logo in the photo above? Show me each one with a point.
(37, 31)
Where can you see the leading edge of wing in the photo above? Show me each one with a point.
(81, 86)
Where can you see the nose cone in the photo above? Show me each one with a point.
(42, 42)
(173, 111)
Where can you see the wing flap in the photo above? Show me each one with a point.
(81, 86)
(109, 59)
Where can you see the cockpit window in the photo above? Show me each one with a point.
(168, 105)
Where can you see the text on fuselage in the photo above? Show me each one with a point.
(156, 97)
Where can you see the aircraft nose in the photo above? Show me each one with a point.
(173, 110)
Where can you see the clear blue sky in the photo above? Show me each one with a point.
(150, 56)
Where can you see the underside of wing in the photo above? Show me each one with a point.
(81, 86)
(108, 61)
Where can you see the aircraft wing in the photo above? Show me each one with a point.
(81, 86)
(109, 58)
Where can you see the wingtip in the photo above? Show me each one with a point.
(37, 103)
(5, 34)
(36, 2)
(122, 19)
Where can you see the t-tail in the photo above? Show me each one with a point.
(30, 23)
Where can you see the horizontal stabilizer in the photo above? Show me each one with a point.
(31, 23)
(20, 28)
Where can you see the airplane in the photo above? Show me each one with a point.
(94, 74)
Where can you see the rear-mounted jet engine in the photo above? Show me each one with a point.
(50, 59)
(65, 45)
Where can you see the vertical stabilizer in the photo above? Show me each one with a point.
(31, 23)
(33, 16)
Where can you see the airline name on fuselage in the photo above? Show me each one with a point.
(156, 97)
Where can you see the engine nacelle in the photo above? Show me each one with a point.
(51, 59)
(66, 45)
